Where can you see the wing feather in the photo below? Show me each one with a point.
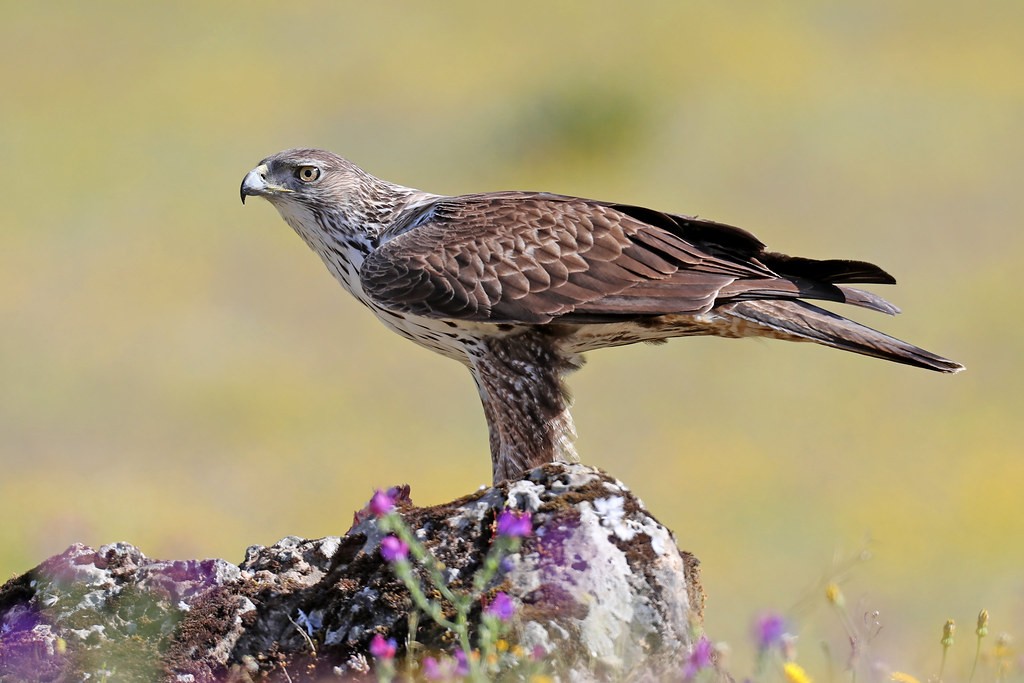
(530, 258)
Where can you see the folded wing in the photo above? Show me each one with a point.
(532, 258)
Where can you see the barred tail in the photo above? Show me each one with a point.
(799, 320)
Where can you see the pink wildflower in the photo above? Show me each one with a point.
(461, 663)
(432, 670)
(383, 649)
(393, 549)
(382, 503)
(501, 607)
(768, 630)
(514, 524)
(699, 659)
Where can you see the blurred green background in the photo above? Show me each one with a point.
(182, 373)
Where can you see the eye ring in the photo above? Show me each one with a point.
(307, 174)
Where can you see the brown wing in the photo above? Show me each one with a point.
(531, 258)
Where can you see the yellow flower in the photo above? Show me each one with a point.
(834, 595)
(901, 677)
(795, 673)
(1004, 646)
(541, 678)
(501, 645)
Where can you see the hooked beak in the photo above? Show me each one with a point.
(255, 184)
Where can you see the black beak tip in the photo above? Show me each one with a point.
(241, 192)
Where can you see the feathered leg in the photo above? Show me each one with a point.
(519, 378)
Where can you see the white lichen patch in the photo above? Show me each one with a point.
(329, 545)
(524, 495)
(622, 487)
(613, 516)
(477, 509)
(612, 512)
(533, 635)
(576, 477)
(605, 629)
(93, 600)
(84, 633)
(662, 542)
(668, 572)
(593, 559)
(524, 577)
(613, 487)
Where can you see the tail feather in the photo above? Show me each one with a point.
(799, 320)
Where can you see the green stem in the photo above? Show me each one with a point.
(501, 548)
(410, 640)
(462, 602)
(385, 670)
(977, 656)
(490, 629)
(394, 523)
(462, 631)
(403, 570)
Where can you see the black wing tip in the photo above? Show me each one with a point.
(699, 231)
(833, 271)
(951, 367)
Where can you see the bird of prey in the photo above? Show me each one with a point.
(517, 285)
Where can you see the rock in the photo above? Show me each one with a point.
(600, 589)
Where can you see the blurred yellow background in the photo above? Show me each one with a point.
(180, 372)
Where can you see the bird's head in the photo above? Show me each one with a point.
(317, 191)
(311, 177)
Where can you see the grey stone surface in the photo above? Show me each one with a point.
(600, 586)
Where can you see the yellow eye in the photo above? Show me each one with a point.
(307, 174)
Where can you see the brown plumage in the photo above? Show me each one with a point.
(515, 285)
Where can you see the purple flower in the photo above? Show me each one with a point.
(431, 669)
(382, 503)
(514, 524)
(393, 549)
(538, 653)
(700, 658)
(383, 649)
(461, 663)
(501, 607)
(768, 630)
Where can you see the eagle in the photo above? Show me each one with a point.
(516, 286)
